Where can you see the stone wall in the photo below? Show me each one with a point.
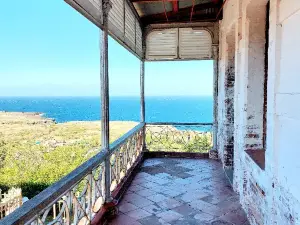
(270, 195)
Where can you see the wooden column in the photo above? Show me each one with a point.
(105, 96)
(142, 88)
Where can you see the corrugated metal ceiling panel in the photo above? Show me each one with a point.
(194, 44)
(116, 18)
(125, 32)
(129, 27)
(122, 27)
(162, 44)
(91, 9)
(139, 40)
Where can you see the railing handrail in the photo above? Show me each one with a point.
(179, 124)
(51, 194)
(117, 143)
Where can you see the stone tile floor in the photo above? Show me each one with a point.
(180, 192)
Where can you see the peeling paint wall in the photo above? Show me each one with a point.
(255, 39)
(270, 196)
(226, 93)
(229, 100)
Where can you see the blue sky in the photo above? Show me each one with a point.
(48, 49)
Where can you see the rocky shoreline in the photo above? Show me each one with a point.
(24, 117)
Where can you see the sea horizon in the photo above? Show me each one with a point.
(98, 96)
(122, 108)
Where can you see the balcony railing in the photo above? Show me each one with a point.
(10, 201)
(179, 137)
(79, 197)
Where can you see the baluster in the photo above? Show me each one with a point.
(54, 211)
(75, 208)
(89, 196)
(94, 189)
(126, 158)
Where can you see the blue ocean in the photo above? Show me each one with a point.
(158, 108)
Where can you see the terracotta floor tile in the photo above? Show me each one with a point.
(182, 181)
(138, 214)
(153, 220)
(157, 198)
(124, 220)
(236, 217)
(208, 208)
(153, 208)
(151, 162)
(189, 221)
(134, 188)
(169, 216)
(137, 200)
(204, 217)
(170, 192)
(180, 192)
(126, 207)
(164, 176)
(220, 222)
(186, 210)
(160, 180)
(193, 195)
(169, 203)
(145, 192)
(138, 181)
(150, 185)
(214, 199)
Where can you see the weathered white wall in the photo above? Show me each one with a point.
(270, 196)
(255, 39)
(226, 86)
(286, 107)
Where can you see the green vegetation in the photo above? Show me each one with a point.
(174, 140)
(201, 143)
(36, 152)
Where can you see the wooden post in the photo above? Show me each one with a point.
(142, 88)
(105, 95)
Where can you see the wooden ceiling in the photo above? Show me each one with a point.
(170, 11)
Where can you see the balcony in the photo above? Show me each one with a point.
(131, 185)
(161, 173)
(180, 191)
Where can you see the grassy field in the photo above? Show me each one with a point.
(35, 151)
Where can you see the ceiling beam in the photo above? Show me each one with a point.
(192, 10)
(214, 2)
(175, 6)
(198, 7)
(221, 8)
(200, 11)
(179, 17)
(163, 2)
(151, 1)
